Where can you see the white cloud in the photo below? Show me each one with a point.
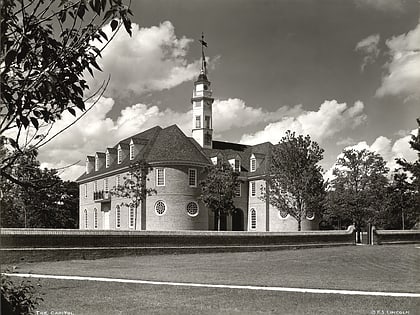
(95, 132)
(381, 5)
(403, 77)
(369, 48)
(331, 118)
(152, 59)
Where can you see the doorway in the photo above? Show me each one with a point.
(237, 220)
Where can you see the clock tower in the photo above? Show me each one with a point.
(202, 102)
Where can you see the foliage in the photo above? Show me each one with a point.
(295, 183)
(20, 298)
(50, 203)
(218, 190)
(134, 187)
(47, 47)
(359, 188)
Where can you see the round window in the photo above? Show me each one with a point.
(283, 214)
(160, 207)
(310, 215)
(192, 209)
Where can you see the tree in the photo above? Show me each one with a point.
(218, 190)
(295, 182)
(47, 47)
(413, 170)
(400, 211)
(52, 204)
(358, 187)
(134, 188)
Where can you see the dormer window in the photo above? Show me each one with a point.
(107, 159)
(253, 163)
(131, 150)
(214, 160)
(237, 167)
(96, 163)
(119, 155)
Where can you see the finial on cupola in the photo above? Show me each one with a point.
(203, 57)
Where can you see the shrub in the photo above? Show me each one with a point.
(18, 298)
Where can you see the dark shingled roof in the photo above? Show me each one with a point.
(100, 154)
(161, 145)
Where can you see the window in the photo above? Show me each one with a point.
(238, 190)
(117, 217)
(283, 214)
(107, 159)
(192, 177)
(253, 189)
(197, 121)
(160, 177)
(214, 160)
(207, 122)
(131, 151)
(96, 163)
(237, 167)
(207, 138)
(119, 155)
(310, 215)
(131, 216)
(253, 165)
(160, 208)
(253, 219)
(86, 190)
(95, 218)
(86, 219)
(95, 186)
(106, 184)
(192, 209)
(117, 180)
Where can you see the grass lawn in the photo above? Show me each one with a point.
(379, 268)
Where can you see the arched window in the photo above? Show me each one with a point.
(192, 209)
(131, 216)
(117, 217)
(95, 218)
(253, 219)
(86, 219)
(160, 207)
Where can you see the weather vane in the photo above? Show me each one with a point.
(203, 58)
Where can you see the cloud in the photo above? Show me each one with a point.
(369, 48)
(95, 131)
(381, 5)
(331, 118)
(152, 59)
(387, 148)
(403, 69)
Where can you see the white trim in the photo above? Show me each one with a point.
(157, 176)
(253, 164)
(119, 155)
(253, 213)
(131, 215)
(131, 153)
(198, 209)
(165, 208)
(253, 188)
(195, 177)
(238, 190)
(117, 217)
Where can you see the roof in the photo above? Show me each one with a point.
(161, 145)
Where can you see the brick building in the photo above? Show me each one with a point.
(178, 162)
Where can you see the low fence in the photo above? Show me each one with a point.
(382, 237)
(47, 244)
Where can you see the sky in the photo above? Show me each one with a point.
(346, 72)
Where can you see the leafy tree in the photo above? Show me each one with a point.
(218, 190)
(413, 170)
(400, 211)
(46, 48)
(358, 189)
(50, 203)
(134, 188)
(295, 182)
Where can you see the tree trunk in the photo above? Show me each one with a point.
(218, 220)
(299, 224)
